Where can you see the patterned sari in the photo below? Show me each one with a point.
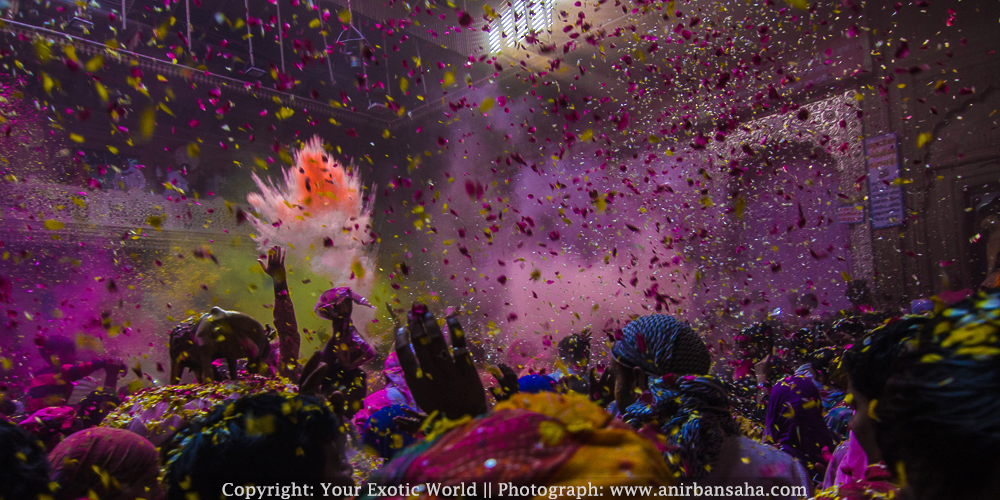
(543, 439)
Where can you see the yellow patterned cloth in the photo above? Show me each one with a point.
(156, 413)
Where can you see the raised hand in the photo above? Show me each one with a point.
(412, 422)
(507, 383)
(114, 365)
(312, 376)
(392, 315)
(445, 379)
(763, 369)
(602, 390)
(275, 264)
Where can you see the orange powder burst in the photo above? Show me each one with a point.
(317, 211)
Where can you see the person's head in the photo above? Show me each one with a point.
(24, 469)
(755, 341)
(522, 354)
(226, 322)
(56, 350)
(574, 350)
(803, 342)
(845, 331)
(383, 435)
(824, 362)
(868, 365)
(654, 346)
(938, 418)
(337, 304)
(114, 464)
(259, 439)
(95, 406)
(858, 293)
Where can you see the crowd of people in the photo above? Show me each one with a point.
(866, 406)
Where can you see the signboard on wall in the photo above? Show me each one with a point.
(850, 214)
(884, 191)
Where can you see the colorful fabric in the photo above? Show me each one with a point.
(532, 439)
(382, 434)
(50, 425)
(158, 412)
(876, 485)
(692, 414)
(838, 419)
(115, 464)
(532, 384)
(331, 299)
(829, 395)
(395, 392)
(742, 459)
(359, 352)
(660, 344)
(54, 387)
(848, 463)
(794, 421)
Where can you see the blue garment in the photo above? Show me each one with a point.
(533, 384)
(383, 434)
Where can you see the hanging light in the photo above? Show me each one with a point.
(81, 24)
(250, 70)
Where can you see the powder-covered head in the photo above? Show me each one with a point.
(116, 464)
(337, 302)
(659, 345)
(56, 348)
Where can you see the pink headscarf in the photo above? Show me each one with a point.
(334, 297)
(50, 424)
(394, 392)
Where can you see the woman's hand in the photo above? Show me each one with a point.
(602, 390)
(507, 384)
(412, 422)
(763, 369)
(275, 264)
(445, 379)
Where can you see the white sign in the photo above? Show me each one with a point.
(884, 191)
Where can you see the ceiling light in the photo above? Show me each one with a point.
(253, 71)
(81, 24)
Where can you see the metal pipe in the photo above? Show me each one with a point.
(187, 10)
(171, 68)
(281, 46)
(246, 6)
(329, 65)
(124, 14)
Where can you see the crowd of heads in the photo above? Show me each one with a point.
(919, 394)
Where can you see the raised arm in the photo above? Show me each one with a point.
(284, 312)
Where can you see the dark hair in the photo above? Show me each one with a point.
(870, 362)
(575, 347)
(823, 360)
(259, 439)
(92, 409)
(939, 416)
(24, 467)
(756, 335)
